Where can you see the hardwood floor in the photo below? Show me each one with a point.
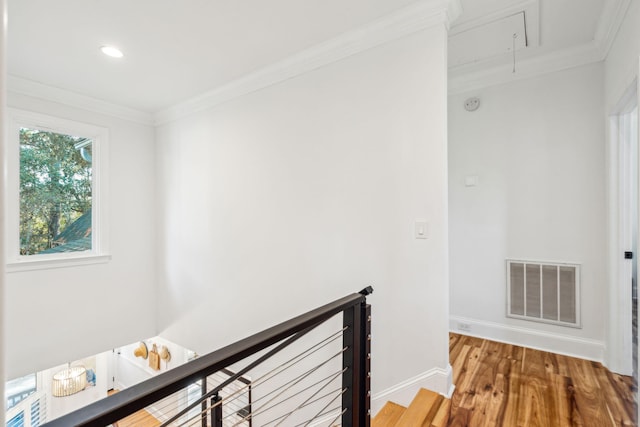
(504, 385)
(141, 418)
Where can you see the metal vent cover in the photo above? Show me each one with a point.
(546, 292)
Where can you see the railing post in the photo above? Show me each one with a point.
(216, 411)
(356, 379)
(203, 406)
(365, 311)
(351, 342)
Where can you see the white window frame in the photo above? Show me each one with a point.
(25, 404)
(99, 252)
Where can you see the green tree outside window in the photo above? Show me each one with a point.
(55, 192)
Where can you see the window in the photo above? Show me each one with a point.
(56, 192)
(19, 389)
(37, 415)
(16, 421)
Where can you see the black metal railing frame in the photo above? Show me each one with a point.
(216, 412)
(355, 379)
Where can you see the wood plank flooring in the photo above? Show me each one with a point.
(506, 385)
(141, 418)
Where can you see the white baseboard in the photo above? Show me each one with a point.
(437, 379)
(527, 337)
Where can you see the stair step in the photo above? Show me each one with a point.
(388, 415)
(422, 410)
(442, 416)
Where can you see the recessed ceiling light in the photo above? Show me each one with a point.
(112, 51)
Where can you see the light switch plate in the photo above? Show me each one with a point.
(471, 180)
(422, 229)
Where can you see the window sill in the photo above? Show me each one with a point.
(46, 264)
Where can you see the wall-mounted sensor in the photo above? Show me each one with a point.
(472, 104)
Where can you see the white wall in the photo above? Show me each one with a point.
(131, 370)
(115, 301)
(287, 198)
(3, 304)
(537, 147)
(620, 70)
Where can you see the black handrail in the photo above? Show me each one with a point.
(230, 380)
(137, 397)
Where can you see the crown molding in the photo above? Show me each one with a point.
(563, 59)
(403, 22)
(465, 78)
(454, 10)
(611, 18)
(21, 86)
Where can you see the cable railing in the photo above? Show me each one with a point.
(312, 370)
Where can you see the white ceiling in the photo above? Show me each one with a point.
(175, 50)
(555, 24)
(562, 22)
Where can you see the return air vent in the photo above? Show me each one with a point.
(544, 292)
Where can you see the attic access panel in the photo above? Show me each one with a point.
(488, 40)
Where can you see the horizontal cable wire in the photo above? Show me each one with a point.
(339, 392)
(336, 418)
(298, 358)
(283, 345)
(181, 413)
(260, 410)
(331, 378)
(173, 402)
(286, 365)
(306, 374)
(195, 419)
(301, 406)
(207, 410)
(198, 416)
(178, 401)
(327, 412)
(242, 396)
(294, 382)
(327, 405)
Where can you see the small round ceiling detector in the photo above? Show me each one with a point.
(112, 51)
(472, 104)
